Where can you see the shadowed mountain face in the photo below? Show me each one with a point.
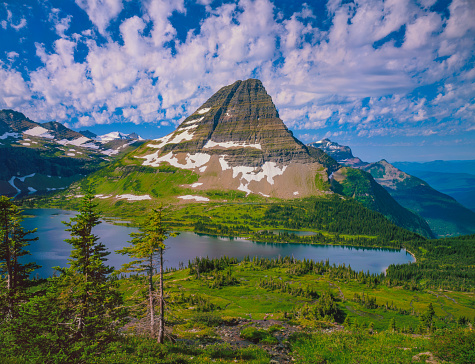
(44, 157)
(454, 178)
(236, 140)
(242, 120)
(445, 216)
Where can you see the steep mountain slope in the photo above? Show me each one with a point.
(236, 141)
(235, 145)
(445, 216)
(44, 157)
(454, 178)
(361, 186)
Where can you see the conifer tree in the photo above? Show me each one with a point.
(147, 248)
(13, 242)
(392, 325)
(85, 289)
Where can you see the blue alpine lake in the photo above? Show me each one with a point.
(50, 249)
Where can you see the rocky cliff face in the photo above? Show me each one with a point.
(241, 120)
(44, 157)
(444, 215)
(236, 140)
(341, 153)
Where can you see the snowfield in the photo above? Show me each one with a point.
(130, 197)
(211, 144)
(196, 198)
(191, 160)
(39, 131)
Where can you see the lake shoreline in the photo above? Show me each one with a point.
(415, 259)
(51, 250)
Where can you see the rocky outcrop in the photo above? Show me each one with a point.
(59, 131)
(341, 153)
(444, 215)
(241, 120)
(236, 140)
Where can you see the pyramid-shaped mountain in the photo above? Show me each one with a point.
(236, 140)
(237, 116)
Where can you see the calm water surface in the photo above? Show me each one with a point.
(51, 250)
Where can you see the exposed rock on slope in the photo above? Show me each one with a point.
(44, 157)
(236, 140)
(444, 215)
(341, 153)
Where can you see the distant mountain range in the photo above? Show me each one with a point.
(454, 178)
(445, 216)
(235, 144)
(49, 156)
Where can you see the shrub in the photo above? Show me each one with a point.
(456, 346)
(258, 335)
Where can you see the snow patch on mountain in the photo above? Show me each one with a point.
(79, 142)
(196, 198)
(39, 131)
(269, 170)
(204, 111)
(23, 178)
(183, 136)
(130, 197)
(231, 144)
(9, 135)
(194, 121)
(191, 160)
(12, 183)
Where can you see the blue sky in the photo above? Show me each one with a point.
(392, 79)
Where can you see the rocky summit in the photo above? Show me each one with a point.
(236, 140)
(444, 215)
(340, 153)
(49, 156)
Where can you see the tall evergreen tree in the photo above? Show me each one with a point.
(85, 289)
(147, 247)
(13, 242)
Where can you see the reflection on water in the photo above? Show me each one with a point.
(51, 250)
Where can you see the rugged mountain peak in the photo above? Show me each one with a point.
(60, 131)
(341, 153)
(236, 140)
(14, 121)
(88, 134)
(241, 120)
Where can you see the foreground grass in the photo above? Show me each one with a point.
(345, 347)
(239, 321)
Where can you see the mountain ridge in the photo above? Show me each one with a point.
(445, 216)
(236, 140)
(43, 157)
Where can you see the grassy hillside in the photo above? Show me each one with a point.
(361, 186)
(282, 311)
(445, 216)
